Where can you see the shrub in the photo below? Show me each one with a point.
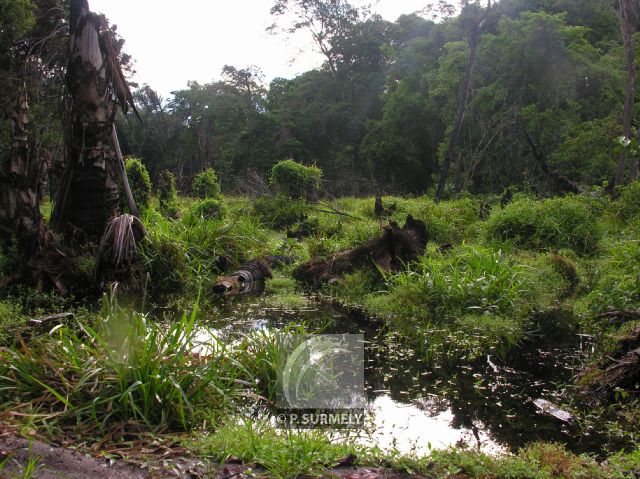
(568, 222)
(167, 193)
(205, 185)
(295, 180)
(279, 211)
(617, 285)
(139, 181)
(628, 204)
(207, 209)
(469, 280)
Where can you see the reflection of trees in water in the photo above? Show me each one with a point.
(498, 403)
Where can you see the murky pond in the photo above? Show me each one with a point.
(415, 406)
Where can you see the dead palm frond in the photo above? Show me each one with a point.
(118, 244)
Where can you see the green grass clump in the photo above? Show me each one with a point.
(124, 372)
(627, 206)
(283, 453)
(207, 209)
(458, 304)
(469, 279)
(279, 211)
(449, 221)
(556, 223)
(166, 261)
(616, 285)
(11, 318)
(537, 461)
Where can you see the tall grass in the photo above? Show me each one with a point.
(125, 371)
(556, 223)
(470, 279)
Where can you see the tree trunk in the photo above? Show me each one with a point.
(88, 196)
(20, 217)
(463, 98)
(629, 90)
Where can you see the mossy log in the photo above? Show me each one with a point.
(619, 370)
(389, 251)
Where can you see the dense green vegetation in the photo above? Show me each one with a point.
(546, 100)
(516, 112)
(480, 295)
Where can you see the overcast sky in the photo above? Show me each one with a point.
(173, 42)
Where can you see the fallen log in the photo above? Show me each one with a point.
(390, 251)
(619, 316)
(250, 277)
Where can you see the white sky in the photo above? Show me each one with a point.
(173, 42)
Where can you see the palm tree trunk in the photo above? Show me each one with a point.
(20, 218)
(88, 197)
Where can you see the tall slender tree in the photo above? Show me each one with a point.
(625, 15)
(463, 97)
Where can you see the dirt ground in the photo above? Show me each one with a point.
(55, 462)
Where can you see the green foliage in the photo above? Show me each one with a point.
(628, 203)
(205, 185)
(126, 372)
(208, 209)
(295, 180)
(17, 19)
(284, 454)
(167, 193)
(279, 211)
(167, 263)
(569, 222)
(617, 282)
(11, 318)
(537, 461)
(469, 279)
(139, 181)
(586, 154)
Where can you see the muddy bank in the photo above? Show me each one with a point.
(56, 462)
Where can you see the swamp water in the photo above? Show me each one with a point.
(414, 406)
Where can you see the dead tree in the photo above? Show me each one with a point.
(390, 251)
(88, 195)
(463, 98)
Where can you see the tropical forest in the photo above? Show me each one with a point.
(420, 258)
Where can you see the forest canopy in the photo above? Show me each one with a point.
(518, 92)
